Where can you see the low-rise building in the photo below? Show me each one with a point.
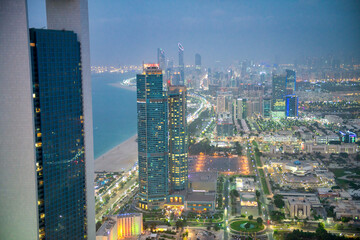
(245, 184)
(298, 207)
(347, 208)
(129, 225)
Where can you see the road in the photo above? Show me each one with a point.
(227, 208)
(114, 199)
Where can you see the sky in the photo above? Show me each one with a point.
(124, 32)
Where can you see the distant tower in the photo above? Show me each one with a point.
(178, 139)
(181, 63)
(161, 59)
(291, 106)
(46, 145)
(282, 85)
(266, 107)
(152, 107)
(197, 62)
(290, 82)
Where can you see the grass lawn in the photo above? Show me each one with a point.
(237, 226)
(265, 186)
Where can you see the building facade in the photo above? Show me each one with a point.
(178, 139)
(152, 108)
(128, 225)
(181, 63)
(59, 133)
(47, 174)
(161, 58)
(291, 106)
(198, 62)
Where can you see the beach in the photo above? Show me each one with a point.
(120, 158)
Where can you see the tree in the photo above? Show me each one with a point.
(257, 193)
(259, 220)
(216, 227)
(179, 224)
(98, 225)
(278, 201)
(250, 217)
(234, 193)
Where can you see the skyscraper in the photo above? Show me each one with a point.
(282, 85)
(197, 62)
(178, 140)
(59, 133)
(161, 58)
(278, 93)
(291, 106)
(290, 82)
(181, 63)
(152, 108)
(47, 167)
(267, 107)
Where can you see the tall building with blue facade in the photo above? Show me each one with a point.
(291, 106)
(59, 133)
(178, 140)
(152, 110)
(46, 138)
(282, 86)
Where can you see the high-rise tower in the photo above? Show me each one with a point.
(178, 145)
(181, 63)
(59, 133)
(161, 58)
(197, 62)
(152, 108)
(46, 169)
(282, 85)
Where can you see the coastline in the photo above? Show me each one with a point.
(120, 85)
(120, 158)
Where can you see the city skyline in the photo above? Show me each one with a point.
(222, 32)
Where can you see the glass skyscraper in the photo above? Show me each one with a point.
(178, 140)
(46, 140)
(152, 110)
(278, 92)
(291, 106)
(282, 86)
(59, 133)
(181, 63)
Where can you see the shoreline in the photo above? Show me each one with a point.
(120, 85)
(120, 158)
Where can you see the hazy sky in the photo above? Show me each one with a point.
(130, 31)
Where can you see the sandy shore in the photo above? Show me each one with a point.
(120, 158)
(120, 85)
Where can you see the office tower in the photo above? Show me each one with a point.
(176, 79)
(291, 106)
(161, 58)
(178, 139)
(282, 85)
(245, 108)
(59, 136)
(278, 92)
(18, 190)
(181, 63)
(29, 151)
(198, 62)
(152, 107)
(266, 107)
(290, 82)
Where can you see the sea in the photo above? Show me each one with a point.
(114, 111)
